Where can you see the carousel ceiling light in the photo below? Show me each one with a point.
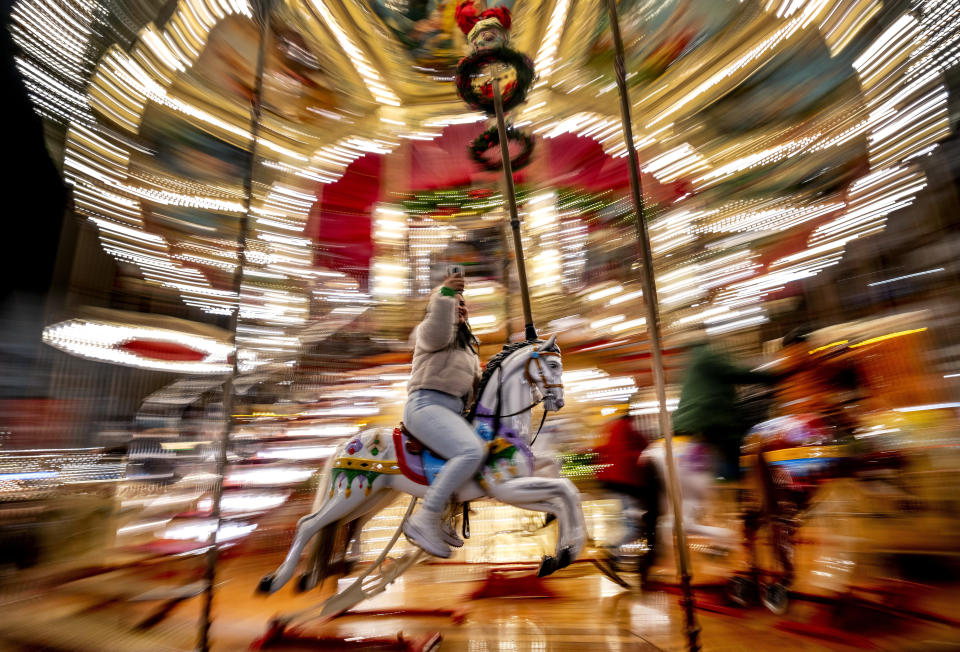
(249, 501)
(761, 49)
(202, 532)
(625, 297)
(546, 55)
(606, 292)
(165, 349)
(374, 82)
(839, 30)
(626, 325)
(931, 406)
(478, 291)
(606, 321)
(736, 325)
(653, 407)
(312, 430)
(482, 320)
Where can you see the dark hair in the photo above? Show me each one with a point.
(465, 339)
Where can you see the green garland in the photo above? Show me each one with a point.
(477, 201)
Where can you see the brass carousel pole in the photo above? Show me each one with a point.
(529, 331)
(262, 8)
(653, 328)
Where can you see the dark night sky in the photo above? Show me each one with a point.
(33, 196)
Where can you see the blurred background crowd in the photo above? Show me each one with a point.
(800, 165)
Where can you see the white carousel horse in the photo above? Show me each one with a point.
(366, 473)
(696, 474)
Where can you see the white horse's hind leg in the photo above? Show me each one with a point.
(307, 527)
(317, 568)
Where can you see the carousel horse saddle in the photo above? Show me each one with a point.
(421, 464)
(414, 458)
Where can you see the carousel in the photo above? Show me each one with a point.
(288, 182)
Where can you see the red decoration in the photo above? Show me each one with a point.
(513, 582)
(157, 350)
(467, 16)
(500, 13)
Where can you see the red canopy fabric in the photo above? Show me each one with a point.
(340, 223)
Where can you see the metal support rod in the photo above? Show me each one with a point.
(653, 329)
(264, 8)
(529, 330)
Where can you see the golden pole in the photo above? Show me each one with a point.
(653, 329)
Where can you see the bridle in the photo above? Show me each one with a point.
(534, 358)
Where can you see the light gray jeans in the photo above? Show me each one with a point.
(434, 417)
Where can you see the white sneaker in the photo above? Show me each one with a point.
(424, 531)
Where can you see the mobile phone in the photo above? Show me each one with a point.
(455, 270)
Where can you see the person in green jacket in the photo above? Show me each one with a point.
(708, 402)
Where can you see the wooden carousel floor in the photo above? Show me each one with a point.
(587, 612)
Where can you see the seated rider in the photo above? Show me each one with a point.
(622, 474)
(445, 369)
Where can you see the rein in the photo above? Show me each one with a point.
(534, 357)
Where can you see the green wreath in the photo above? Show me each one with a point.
(514, 93)
(491, 138)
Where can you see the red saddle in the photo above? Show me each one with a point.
(410, 454)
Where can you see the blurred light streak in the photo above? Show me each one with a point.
(845, 21)
(202, 531)
(245, 502)
(653, 407)
(736, 325)
(900, 278)
(546, 55)
(888, 336)
(925, 408)
(827, 346)
(268, 476)
(764, 48)
(371, 77)
(97, 341)
(626, 325)
(601, 294)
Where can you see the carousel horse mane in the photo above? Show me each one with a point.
(495, 363)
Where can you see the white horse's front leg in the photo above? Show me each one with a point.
(556, 507)
(548, 494)
(578, 525)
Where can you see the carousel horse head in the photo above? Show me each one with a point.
(544, 370)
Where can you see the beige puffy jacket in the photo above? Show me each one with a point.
(438, 363)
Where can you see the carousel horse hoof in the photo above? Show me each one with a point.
(776, 598)
(565, 558)
(547, 566)
(305, 583)
(741, 591)
(266, 584)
